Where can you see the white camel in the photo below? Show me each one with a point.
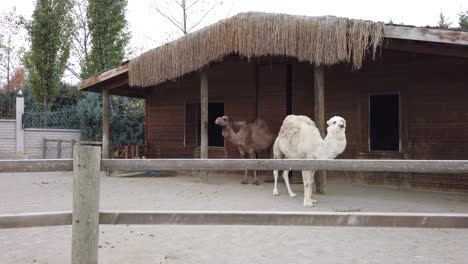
(299, 138)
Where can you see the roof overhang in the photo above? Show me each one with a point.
(115, 80)
(403, 38)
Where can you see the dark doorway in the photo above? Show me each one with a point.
(384, 111)
(215, 138)
(192, 125)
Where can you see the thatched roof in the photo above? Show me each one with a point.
(317, 40)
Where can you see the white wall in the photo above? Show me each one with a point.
(13, 139)
(7, 136)
(33, 142)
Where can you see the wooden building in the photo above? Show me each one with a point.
(406, 101)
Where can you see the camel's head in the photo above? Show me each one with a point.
(223, 121)
(336, 124)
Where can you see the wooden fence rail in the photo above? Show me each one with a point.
(35, 219)
(426, 166)
(273, 218)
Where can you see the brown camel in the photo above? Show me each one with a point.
(250, 139)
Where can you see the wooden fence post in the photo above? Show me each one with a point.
(85, 225)
(44, 148)
(72, 147)
(59, 148)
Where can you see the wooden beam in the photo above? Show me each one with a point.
(36, 165)
(72, 147)
(85, 222)
(105, 124)
(204, 117)
(113, 85)
(319, 91)
(103, 76)
(427, 48)
(35, 219)
(426, 166)
(258, 92)
(426, 34)
(44, 148)
(418, 166)
(352, 219)
(146, 125)
(59, 148)
(271, 218)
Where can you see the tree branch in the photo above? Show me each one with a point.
(73, 72)
(173, 21)
(192, 4)
(203, 17)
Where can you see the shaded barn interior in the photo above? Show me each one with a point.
(416, 113)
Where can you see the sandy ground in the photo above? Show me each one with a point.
(37, 192)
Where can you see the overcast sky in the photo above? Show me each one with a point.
(149, 30)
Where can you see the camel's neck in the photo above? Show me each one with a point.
(230, 134)
(333, 145)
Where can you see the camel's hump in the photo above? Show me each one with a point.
(299, 118)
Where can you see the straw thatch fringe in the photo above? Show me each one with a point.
(317, 40)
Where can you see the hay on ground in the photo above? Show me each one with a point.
(317, 40)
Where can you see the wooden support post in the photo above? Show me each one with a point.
(137, 151)
(44, 148)
(319, 88)
(85, 221)
(105, 124)
(258, 92)
(126, 152)
(59, 148)
(204, 119)
(72, 147)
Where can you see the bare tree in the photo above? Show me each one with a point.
(11, 49)
(186, 15)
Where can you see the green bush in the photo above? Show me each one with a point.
(126, 119)
(90, 115)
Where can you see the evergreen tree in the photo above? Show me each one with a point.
(109, 37)
(90, 114)
(127, 121)
(49, 31)
(463, 20)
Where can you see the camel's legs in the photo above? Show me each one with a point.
(246, 172)
(308, 178)
(252, 156)
(275, 188)
(286, 180)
